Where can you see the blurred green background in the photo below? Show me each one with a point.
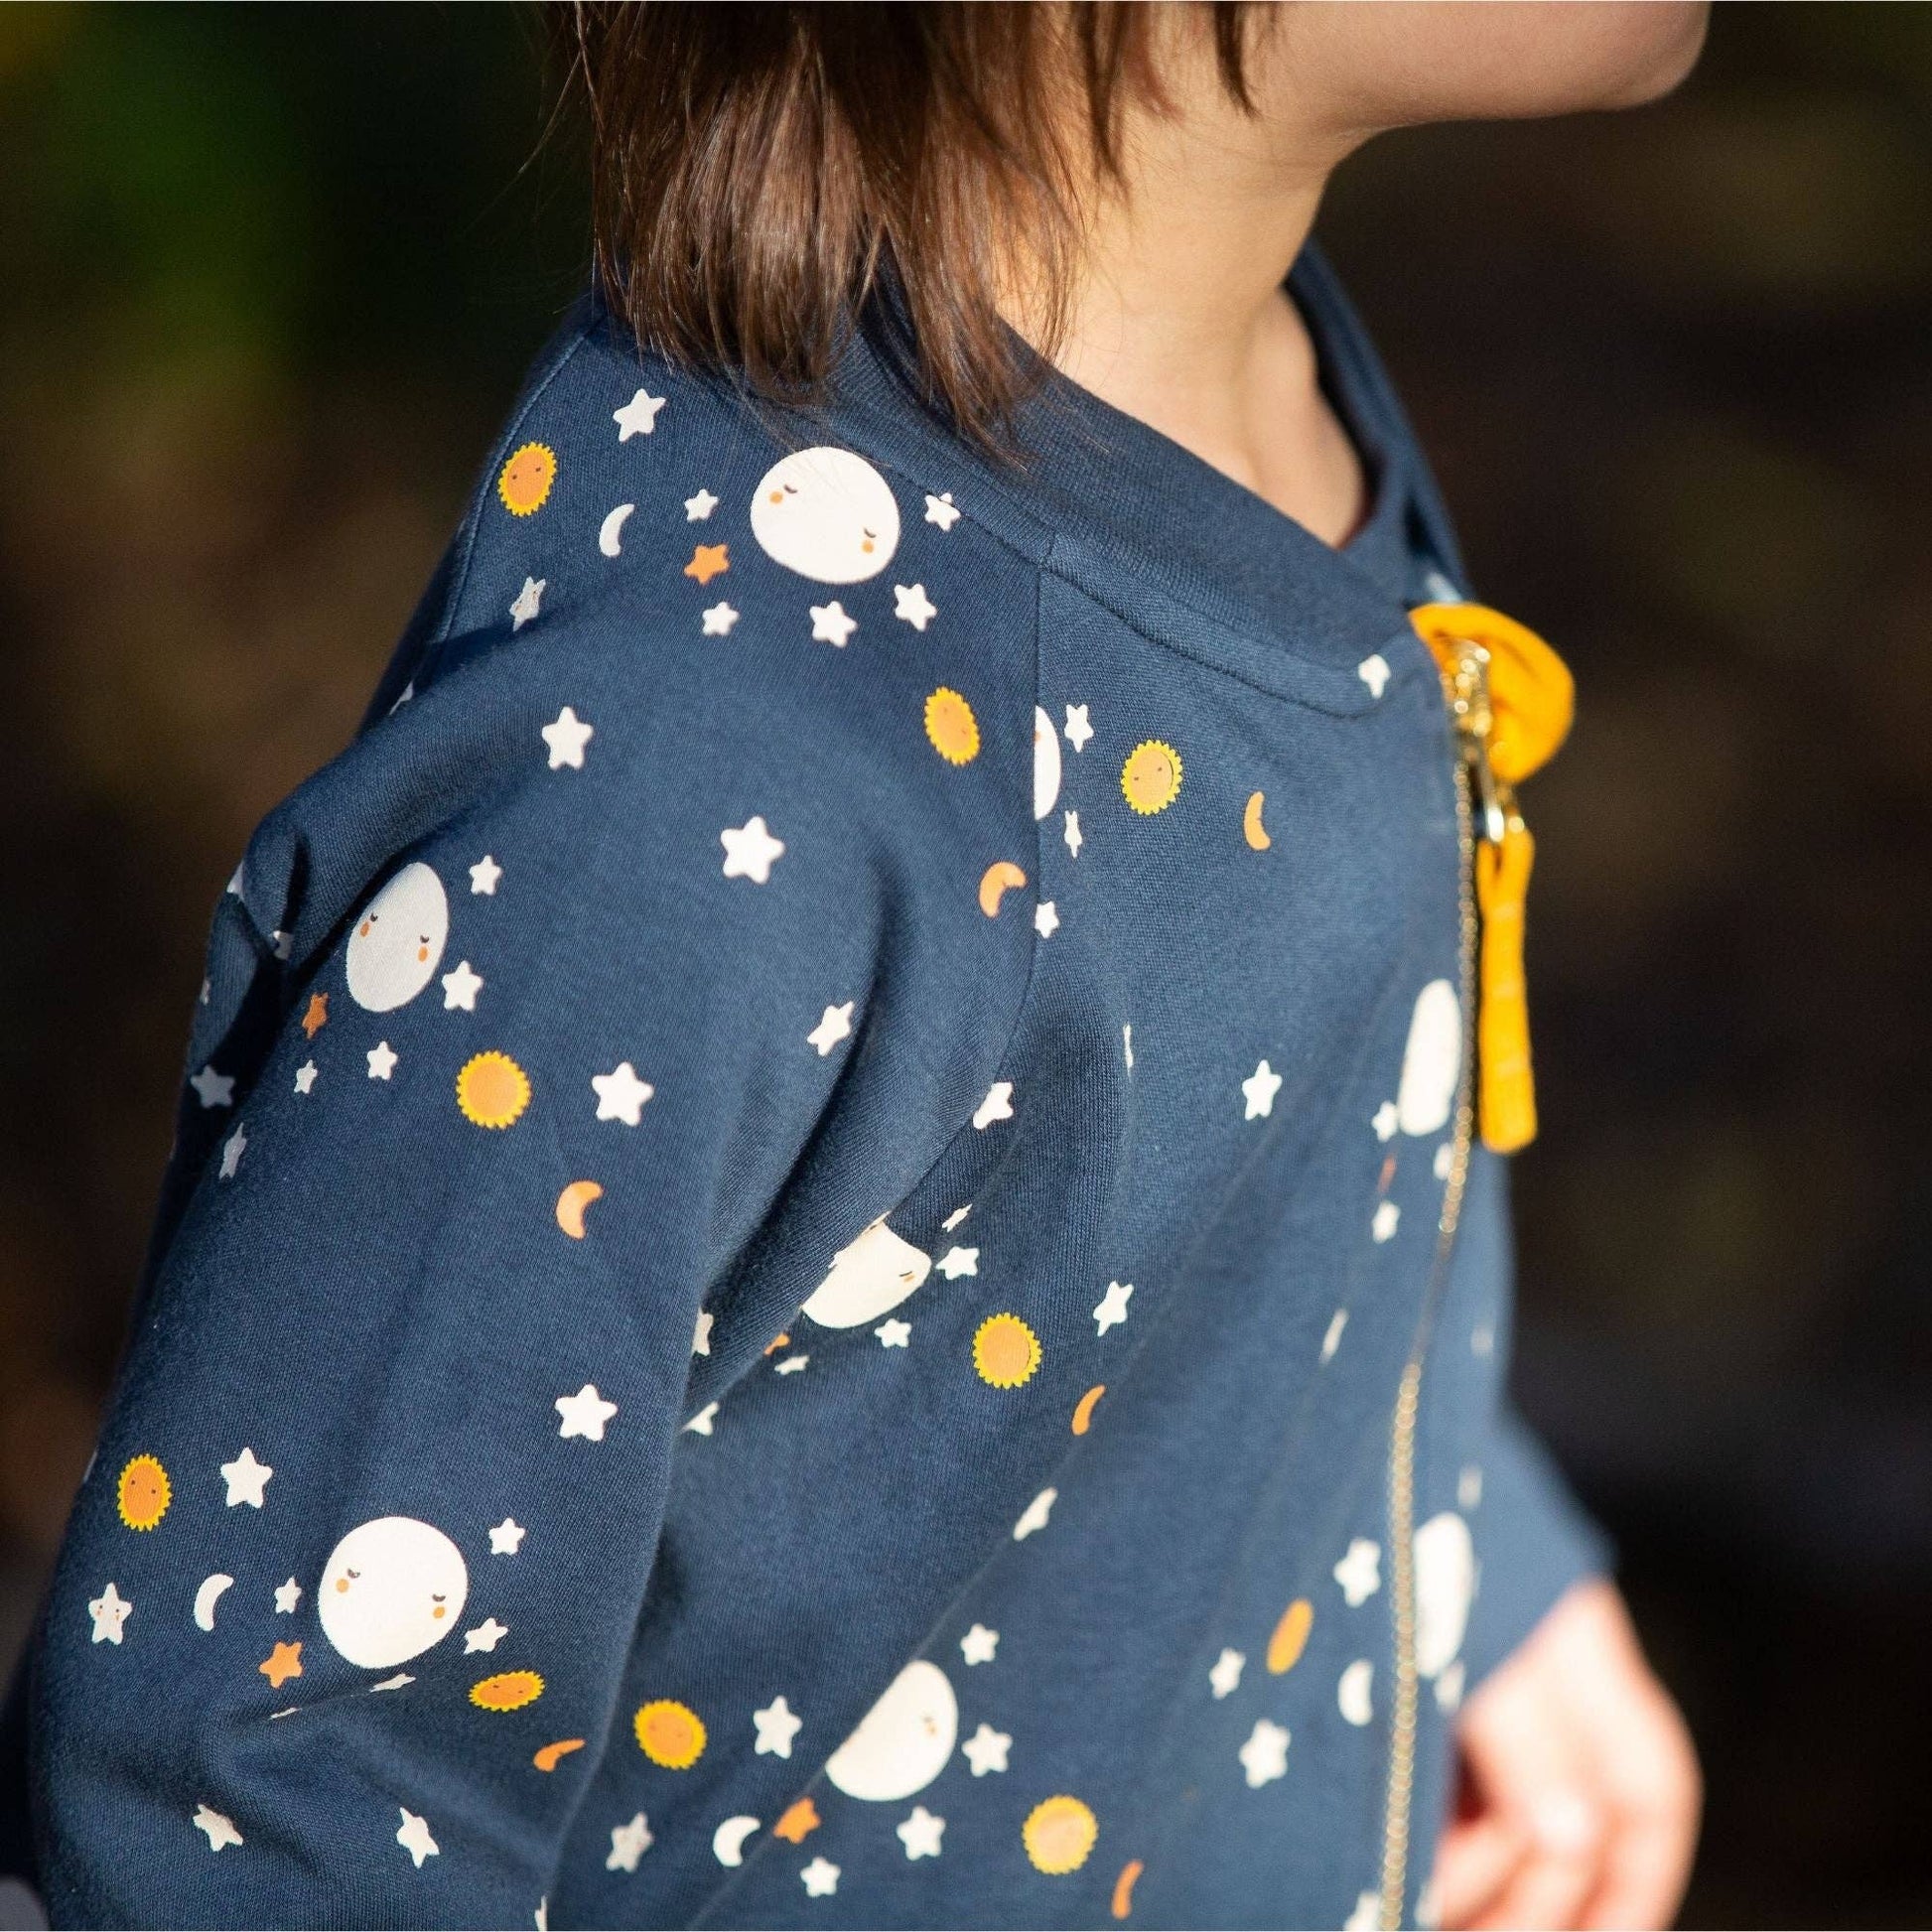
(271, 276)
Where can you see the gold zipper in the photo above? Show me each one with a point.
(1466, 690)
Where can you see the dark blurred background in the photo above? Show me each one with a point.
(271, 276)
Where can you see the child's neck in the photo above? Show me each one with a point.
(1180, 317)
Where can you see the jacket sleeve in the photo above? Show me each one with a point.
(550, 1047)
(1537, 1543)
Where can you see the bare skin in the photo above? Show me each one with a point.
(1579, 1791)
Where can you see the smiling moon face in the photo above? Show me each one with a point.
(904, 1741)
(875, 1273)
(827, 514)
(1445, 1581)
(391, 1589)
(1432, 1061)
(398, 941)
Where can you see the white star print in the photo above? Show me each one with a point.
(1112, 1310)
(213, 1089)
(792, 1364)
(1226, 1674)
(638, 417)
(1259, 1089)
(483, 876)
(394, 1682)
(109, 1610)
(218, 1827)
(529, 600)
(831, 625)
(1046, 918)
(1332, 1339)
(1373, 671)
(958, 1261)
(1448, 1687)
(700, 1424)
(281, 944)
(1367, 1915)
(1387, 1214)
(1073, 835)
(1445, 1156)
(998, 1105)
(485, 1636)
(821, 1878)
(701, 1333)
(1078, 731)
(305, 1076)
(288, 1597)
(413, 1836)
(382, 1059)
(719, 618)
(986, 1750)
(700, 507)
(628, 1844)
(1033, 1516)
(978, 1644)
(777, 1724)
(920, 1833)
(1352, 1692)
(1359, 1573)
(1264, 1758)
(750, 850)
(232, 1149)
(506, 1538)
(584, 1414)
(939, 510)
(833, 1026)
(893, 1334)
(543, 1914)
(913, 605)
(567, 734)
(1384, 1120)
(247, 1480)
(459, 988)
(620, 1095)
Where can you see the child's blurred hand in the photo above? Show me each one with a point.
(1579, 1792)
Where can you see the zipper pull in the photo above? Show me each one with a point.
(1510, 700)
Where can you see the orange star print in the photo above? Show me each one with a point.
(799, 1818)
(282, 1663)
(317, 1015)
(708, 560)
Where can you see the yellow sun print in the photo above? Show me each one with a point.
(1005, 1351)
(1059, 1834)
(1150, 777)
(951, 726)
(508, 1690)
(526, 479)
(493, 1090)
(144, 1492)
(669, 1734)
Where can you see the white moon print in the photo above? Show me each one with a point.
(875, 1273)
(1046, 764)
(1445, 1581)
(398, 941)
(826, 514)
(904, 1741)
(391, 1589)
(1431, 1061)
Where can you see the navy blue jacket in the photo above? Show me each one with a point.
(823, 1265)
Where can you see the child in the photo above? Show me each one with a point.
(827, 1261)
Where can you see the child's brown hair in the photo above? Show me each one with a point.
(761, 170)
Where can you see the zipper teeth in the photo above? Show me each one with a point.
(1402, 1434)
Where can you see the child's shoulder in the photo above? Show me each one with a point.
(689, 547)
